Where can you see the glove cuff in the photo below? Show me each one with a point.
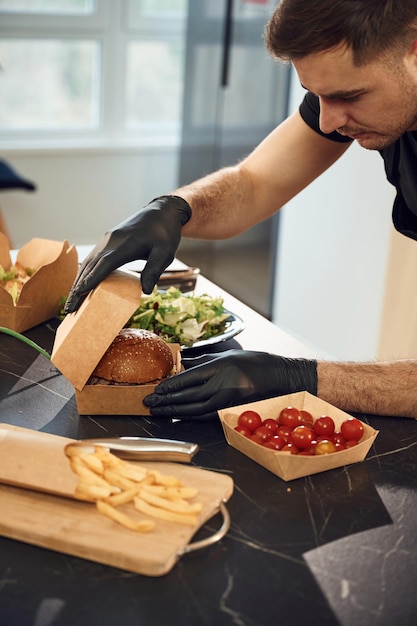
(296, 374)
(174, 202)
(308, 374)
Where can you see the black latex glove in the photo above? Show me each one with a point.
(229, 379)
(153, 233)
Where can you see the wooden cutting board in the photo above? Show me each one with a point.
(77, 528)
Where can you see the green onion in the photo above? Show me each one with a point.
(30, 343)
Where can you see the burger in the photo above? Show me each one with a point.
(135, 356)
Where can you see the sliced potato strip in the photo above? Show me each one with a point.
(179, 506)
(111, 482)
(170, 516)
(168, 481)
(114, 478)
(91, 492)
(142, 526)
(132, 472)
(92, 462)
(173, 493)
(123, 497)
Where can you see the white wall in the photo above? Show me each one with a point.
(81, 193)
(333, 248)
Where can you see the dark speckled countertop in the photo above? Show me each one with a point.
(335, 548)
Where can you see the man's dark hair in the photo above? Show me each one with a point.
(370, 28)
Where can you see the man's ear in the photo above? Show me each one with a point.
(410, 58)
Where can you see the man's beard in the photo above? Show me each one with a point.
(379, 140)
(375, 141)
(407, 121)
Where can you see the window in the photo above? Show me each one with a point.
(100, 70)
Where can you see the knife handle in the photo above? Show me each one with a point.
(147, 448)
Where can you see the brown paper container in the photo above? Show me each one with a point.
(83, 337)
(56, 265)
(35, 460)
(284, 464)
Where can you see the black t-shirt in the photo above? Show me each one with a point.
(400, 161)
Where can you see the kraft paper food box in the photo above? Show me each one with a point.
(55, 266)
(83, 337)
(284, 464)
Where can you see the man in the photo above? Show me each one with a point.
(357, 59)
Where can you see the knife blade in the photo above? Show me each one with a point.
(146, 448)
(184, 279)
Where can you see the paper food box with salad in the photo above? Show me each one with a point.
(89, 342)
(298, 435)
(34, 285)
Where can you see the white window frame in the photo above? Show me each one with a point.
(112, 25)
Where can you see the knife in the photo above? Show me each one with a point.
(184, 279)
(146, 448)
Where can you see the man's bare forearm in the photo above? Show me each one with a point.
(386, 388)
(220, 204)
(231, 200)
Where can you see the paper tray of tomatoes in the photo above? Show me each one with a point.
(297, 435)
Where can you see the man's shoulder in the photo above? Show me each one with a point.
(401, 155)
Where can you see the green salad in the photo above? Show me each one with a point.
(178, 318)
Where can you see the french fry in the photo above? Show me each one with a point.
(179, 506)
(87, 475)
(108, 459)
(92, 462)
(132, 472)
(171, 516)
(73, 450)
(142, 526)
(92, 492)
(168, 481)
(123, 497)
(110, 482)
(173, 493)
(114, 478)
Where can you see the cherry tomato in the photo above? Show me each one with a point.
(256, 438)
(289, 416)
(296, 431)
(324, 447)
(275, 443)
(310, 450)
(306, 418)
(302, 436)
(352, 428)
(271, 424)
(323, 438)
(243, 430)
(263, 432)
(249, 419)
(284, 432)
(338, 438)
(350, 443)
(324, 425)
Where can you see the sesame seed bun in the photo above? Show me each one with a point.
(136, 356)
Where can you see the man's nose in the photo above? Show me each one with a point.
(332, 116)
